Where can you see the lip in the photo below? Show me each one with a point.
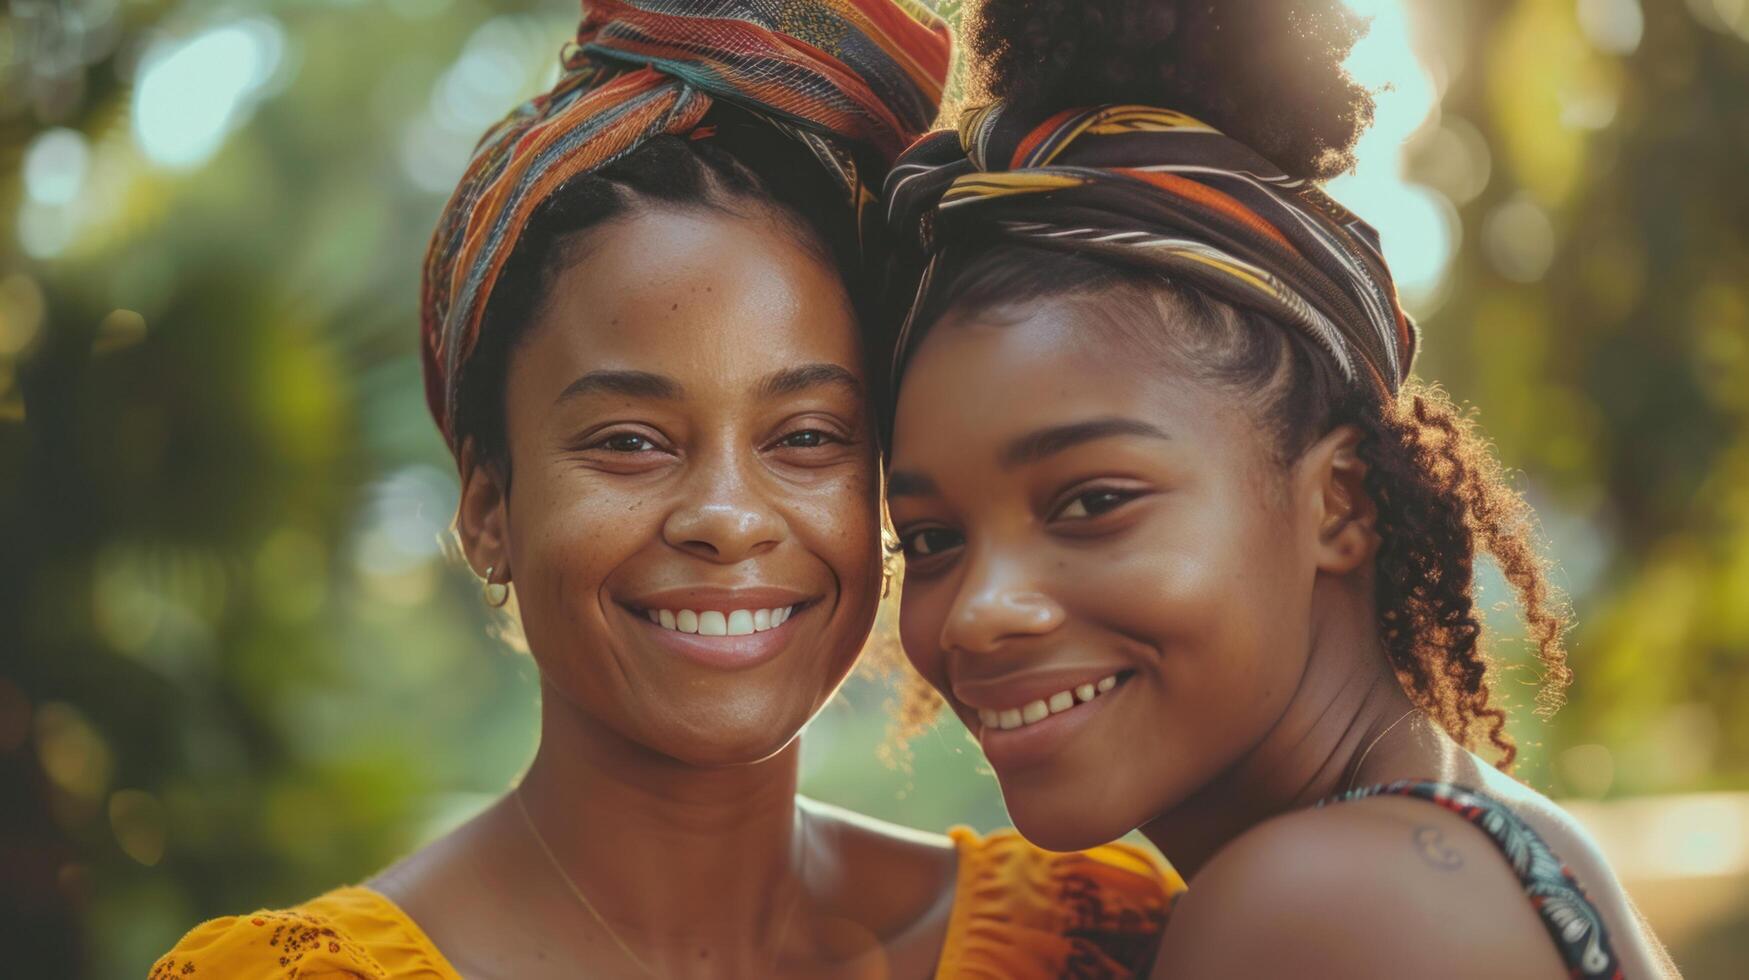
(1015, 690)
(721, 652)
(701, 598)
(1041, 741)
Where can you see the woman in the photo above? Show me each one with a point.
(642, 345)
(1185, 547)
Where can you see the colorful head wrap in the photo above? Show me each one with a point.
(1155, 189)
(851, 79)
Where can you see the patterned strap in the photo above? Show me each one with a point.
(1571, 920)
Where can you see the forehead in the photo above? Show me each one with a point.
(979, 380)
(698, 295)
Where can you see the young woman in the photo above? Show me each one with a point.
(642, 344)
(1185, 546)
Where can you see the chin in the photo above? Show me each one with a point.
(1059, 817)
(732, 738)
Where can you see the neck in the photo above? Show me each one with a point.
(680, 860)
(1346, 698)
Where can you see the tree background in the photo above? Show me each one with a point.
(238, 664)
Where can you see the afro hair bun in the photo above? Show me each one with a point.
(1268, 73)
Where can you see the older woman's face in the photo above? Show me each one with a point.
(692, 518)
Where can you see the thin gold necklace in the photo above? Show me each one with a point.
(589, 906)
(1355, 776)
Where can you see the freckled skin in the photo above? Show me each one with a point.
(721, 502)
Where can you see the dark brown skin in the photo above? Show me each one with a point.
(667, 787)
(1232, 596)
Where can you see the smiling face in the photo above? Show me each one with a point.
(1108, 573)
(691, 524)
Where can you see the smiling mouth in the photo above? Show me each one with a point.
(717, 622)
(1033, 712)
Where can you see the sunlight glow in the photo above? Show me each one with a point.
(1419, 227)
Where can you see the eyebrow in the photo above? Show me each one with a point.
(1037, 445)
(906, 484)
(805, 376)
(632, 384)
(645, 384)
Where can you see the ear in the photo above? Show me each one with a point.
(1347, 517)
(483, 519)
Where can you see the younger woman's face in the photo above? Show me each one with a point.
(1107, 575)
(691, 524)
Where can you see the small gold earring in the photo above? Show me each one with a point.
(496, 593)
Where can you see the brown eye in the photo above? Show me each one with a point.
(1094, 503)
(929, 541)
(805, 439)
(626, 442)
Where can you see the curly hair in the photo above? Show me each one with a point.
(1267, 74)
(1271, 76)
(1440, 492)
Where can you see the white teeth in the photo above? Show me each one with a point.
(1037, 711)
(712, 622)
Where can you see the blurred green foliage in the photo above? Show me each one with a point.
(238, 665)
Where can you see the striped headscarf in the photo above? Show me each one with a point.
(854, 80)
(1153, 189)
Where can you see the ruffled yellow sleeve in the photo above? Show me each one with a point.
(347, 934)
(1022, 913)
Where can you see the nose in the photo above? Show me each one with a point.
(997, 602)
(723, 516)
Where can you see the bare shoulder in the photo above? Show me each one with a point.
(1381, 887)
(434, 873)
(1639, 950)
(909, 872)
(463, 892)
(865, 830)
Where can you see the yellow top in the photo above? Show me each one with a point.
(1019, 913)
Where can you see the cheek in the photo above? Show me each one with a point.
(567, 536)
(923, 606)
(1210, 584)
(839, 520)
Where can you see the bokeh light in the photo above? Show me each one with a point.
(55, 165)
(192, 92)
